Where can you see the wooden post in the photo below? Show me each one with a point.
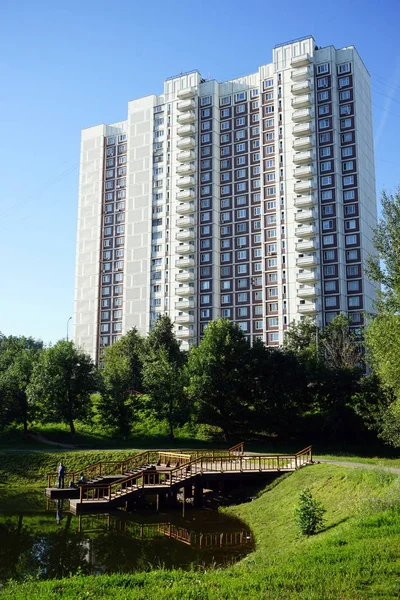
(259, 463)
(241, 465)
(80, 494)
(183, 501)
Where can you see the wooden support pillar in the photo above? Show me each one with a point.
(158, 502)
(183, 501)
(198, 494)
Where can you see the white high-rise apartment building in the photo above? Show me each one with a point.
(252, 199)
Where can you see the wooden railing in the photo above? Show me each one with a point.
(106, 468)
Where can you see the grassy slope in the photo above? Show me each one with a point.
(356, 557)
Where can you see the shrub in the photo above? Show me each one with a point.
(309, 514)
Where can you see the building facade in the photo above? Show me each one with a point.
(252, 199)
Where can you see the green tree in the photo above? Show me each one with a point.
(121, 379)
(218, 371)
(340, 345)
(62, 381)
(384, 267)
(18, 356)
(309, 514)
(162, 336)
(301, 338)
(164, 380)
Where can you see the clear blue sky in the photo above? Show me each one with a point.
(69, 65)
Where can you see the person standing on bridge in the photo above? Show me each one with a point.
(61, 472)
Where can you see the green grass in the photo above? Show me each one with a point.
(356, 557)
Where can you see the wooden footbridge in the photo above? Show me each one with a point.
(111, 484)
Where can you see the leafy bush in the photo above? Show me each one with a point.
(309, 514)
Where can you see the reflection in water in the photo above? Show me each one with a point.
(54, 543)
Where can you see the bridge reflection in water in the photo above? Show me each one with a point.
(148, 531)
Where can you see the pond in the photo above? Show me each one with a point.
(42, 539)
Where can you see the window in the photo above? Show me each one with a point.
(323, 109)
(330, 286)
(350, 240)
(351, 224)
(206, 126)
(226, 285)
(327, 180)
(350, 210)
(326, 166)
(321, 69)
(349, 195)
(343, 68)
(272, 262)
(345, 123)
(205, 313)
(327, 210)
(330, 301)
(352, 270)
(324, 138)
(322, 82)
(343, 81)
(205, 285)
(327, 224)
(206, 112)
(329, 255)
(353, 286)
(225, 125)
(274, 337)
(323, 96)
(348, 165)
(242, 255)
(323, 123)
(345, 109)
(349, 151)
(348, 180)
(352, 255)
(272, 292)
(205, 100)
(206, 137)
(226, 257)
(324, 152)
(207, 151)
(205, 299)
(345, 95)
(354, 301)
(328, 240)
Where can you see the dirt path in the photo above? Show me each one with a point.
(356, 465)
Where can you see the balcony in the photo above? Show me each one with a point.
(182, 319)
(305, 231)
(184, 334)
(302, 115)
(185, 195)
(304, 216)
(185, 209)
(301, 74)
(304, 187)
(186, 156)
(301, 158)
(187, 169)
(304, 202)
(305, 172)
(307, 292)
(184, 236)
(302, 143)
(300, 61)
(185, 105)
(301, 101)
(184, 305)
(185, 182)
(307, 309)
(186, 143)
(186, 130)
(185, 221)
(188, 92)
(307, 261)
(185, 249)
(306, 246)
(301, 129)
(184, 263)
(186, 117)
(185, 277)
(307, 277)
(302, 88)
(184, 290)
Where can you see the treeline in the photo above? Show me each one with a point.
(321, 383)
(314, 385)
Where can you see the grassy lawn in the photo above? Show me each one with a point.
(356, 557)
